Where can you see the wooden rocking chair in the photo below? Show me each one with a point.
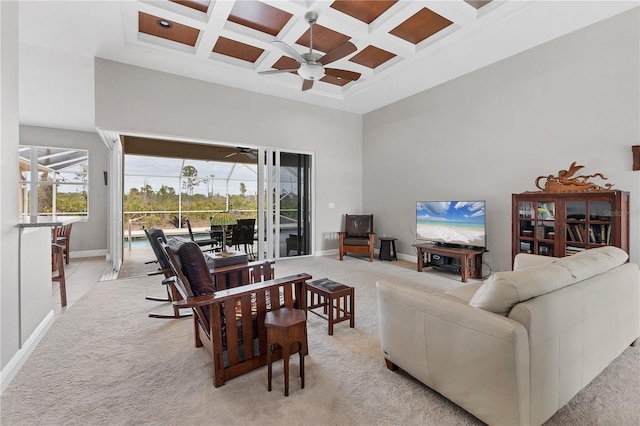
(230, 305)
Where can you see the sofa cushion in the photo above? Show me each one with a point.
(464, 293)
(593, 262)
(503, 290)
(356, 242)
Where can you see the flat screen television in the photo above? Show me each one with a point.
(455, 223)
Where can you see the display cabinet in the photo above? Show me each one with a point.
(561, 224)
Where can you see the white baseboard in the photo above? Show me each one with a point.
(87, 253)
(326, 252)
(335, 252)
(17, 361)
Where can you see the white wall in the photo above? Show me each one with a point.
(9, 297)
(88, 238)
(490, 133)
(131, 99)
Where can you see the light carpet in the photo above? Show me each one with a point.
(104, 362)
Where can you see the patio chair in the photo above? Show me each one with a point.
(202, 242)
(295, 242)
(242, 234)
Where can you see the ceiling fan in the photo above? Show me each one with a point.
(311, 65)
(245, 151)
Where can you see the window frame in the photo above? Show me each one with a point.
(30, 179)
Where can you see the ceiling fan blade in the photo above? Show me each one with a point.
(307, 84)
(342, 74)
(338, 53)
(277, 71)
(290, 51)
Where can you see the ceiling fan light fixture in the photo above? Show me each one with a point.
(311, 71)
(163, 23)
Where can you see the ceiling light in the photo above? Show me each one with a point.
(163, 23)
(311, 71)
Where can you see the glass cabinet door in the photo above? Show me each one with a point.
(537, 227)
(588, 225)
(545, 228)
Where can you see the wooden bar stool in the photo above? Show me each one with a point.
(57, 253)
(286, 327)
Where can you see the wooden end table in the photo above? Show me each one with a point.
(387, 249)
(286, 327)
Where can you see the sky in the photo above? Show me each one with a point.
(158, 171)
(450, 211)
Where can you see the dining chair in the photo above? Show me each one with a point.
(62, 237)
(57, 253)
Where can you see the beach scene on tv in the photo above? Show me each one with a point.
(452, 222)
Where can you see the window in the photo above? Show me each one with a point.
(53, 181)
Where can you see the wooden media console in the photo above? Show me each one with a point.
(469, 260)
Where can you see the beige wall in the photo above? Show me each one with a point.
(9, 298)
(135, 100)
(88, 238)
(490, 133)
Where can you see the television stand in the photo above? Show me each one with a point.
(466, 261)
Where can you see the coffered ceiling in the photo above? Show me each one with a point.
(240, 34)
(402, 46)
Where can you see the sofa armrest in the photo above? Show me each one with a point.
(475, 358)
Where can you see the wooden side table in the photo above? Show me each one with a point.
(286, 327)
(387, 249)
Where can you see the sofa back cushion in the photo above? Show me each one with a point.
(593, 262)
(503, 290)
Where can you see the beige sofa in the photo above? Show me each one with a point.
(517, 347)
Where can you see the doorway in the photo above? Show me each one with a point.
(288, 232)
(283, 190)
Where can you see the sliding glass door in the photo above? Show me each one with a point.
(287, 204)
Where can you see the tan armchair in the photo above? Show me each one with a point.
(358, 235)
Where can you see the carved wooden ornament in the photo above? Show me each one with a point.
(566, 182)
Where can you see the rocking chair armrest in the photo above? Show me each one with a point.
(222, 295)
(194, 302)
(219, 296)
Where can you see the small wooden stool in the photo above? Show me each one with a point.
(337, 301)
(285, 327)
(387, 249)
